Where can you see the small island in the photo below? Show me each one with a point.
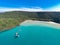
(14, 18)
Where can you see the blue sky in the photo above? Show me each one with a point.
(29, 5)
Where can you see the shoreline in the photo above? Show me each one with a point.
(44, 23)
(7, 29)
(39, 23)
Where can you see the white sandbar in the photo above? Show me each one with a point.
(44, 23)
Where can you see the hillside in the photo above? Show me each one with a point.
(14, 18)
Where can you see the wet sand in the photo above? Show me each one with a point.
(44, 23)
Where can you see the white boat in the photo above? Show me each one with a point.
(16, 35)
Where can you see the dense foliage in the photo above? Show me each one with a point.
(14, 18)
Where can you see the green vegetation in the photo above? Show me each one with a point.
(6, 23)
(14, 18)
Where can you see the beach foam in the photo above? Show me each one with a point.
(44, 23)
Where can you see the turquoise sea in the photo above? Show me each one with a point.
(31, 35)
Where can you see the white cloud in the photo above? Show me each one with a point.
(34, 9)
(21, 9)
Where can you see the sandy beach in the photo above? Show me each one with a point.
(45, 23)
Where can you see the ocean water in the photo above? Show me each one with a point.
(31, 35)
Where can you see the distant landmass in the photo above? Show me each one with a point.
(14, 18)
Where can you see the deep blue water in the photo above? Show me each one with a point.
(31, 35)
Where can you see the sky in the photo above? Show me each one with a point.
(29, 5)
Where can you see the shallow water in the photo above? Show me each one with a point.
(31, 35)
